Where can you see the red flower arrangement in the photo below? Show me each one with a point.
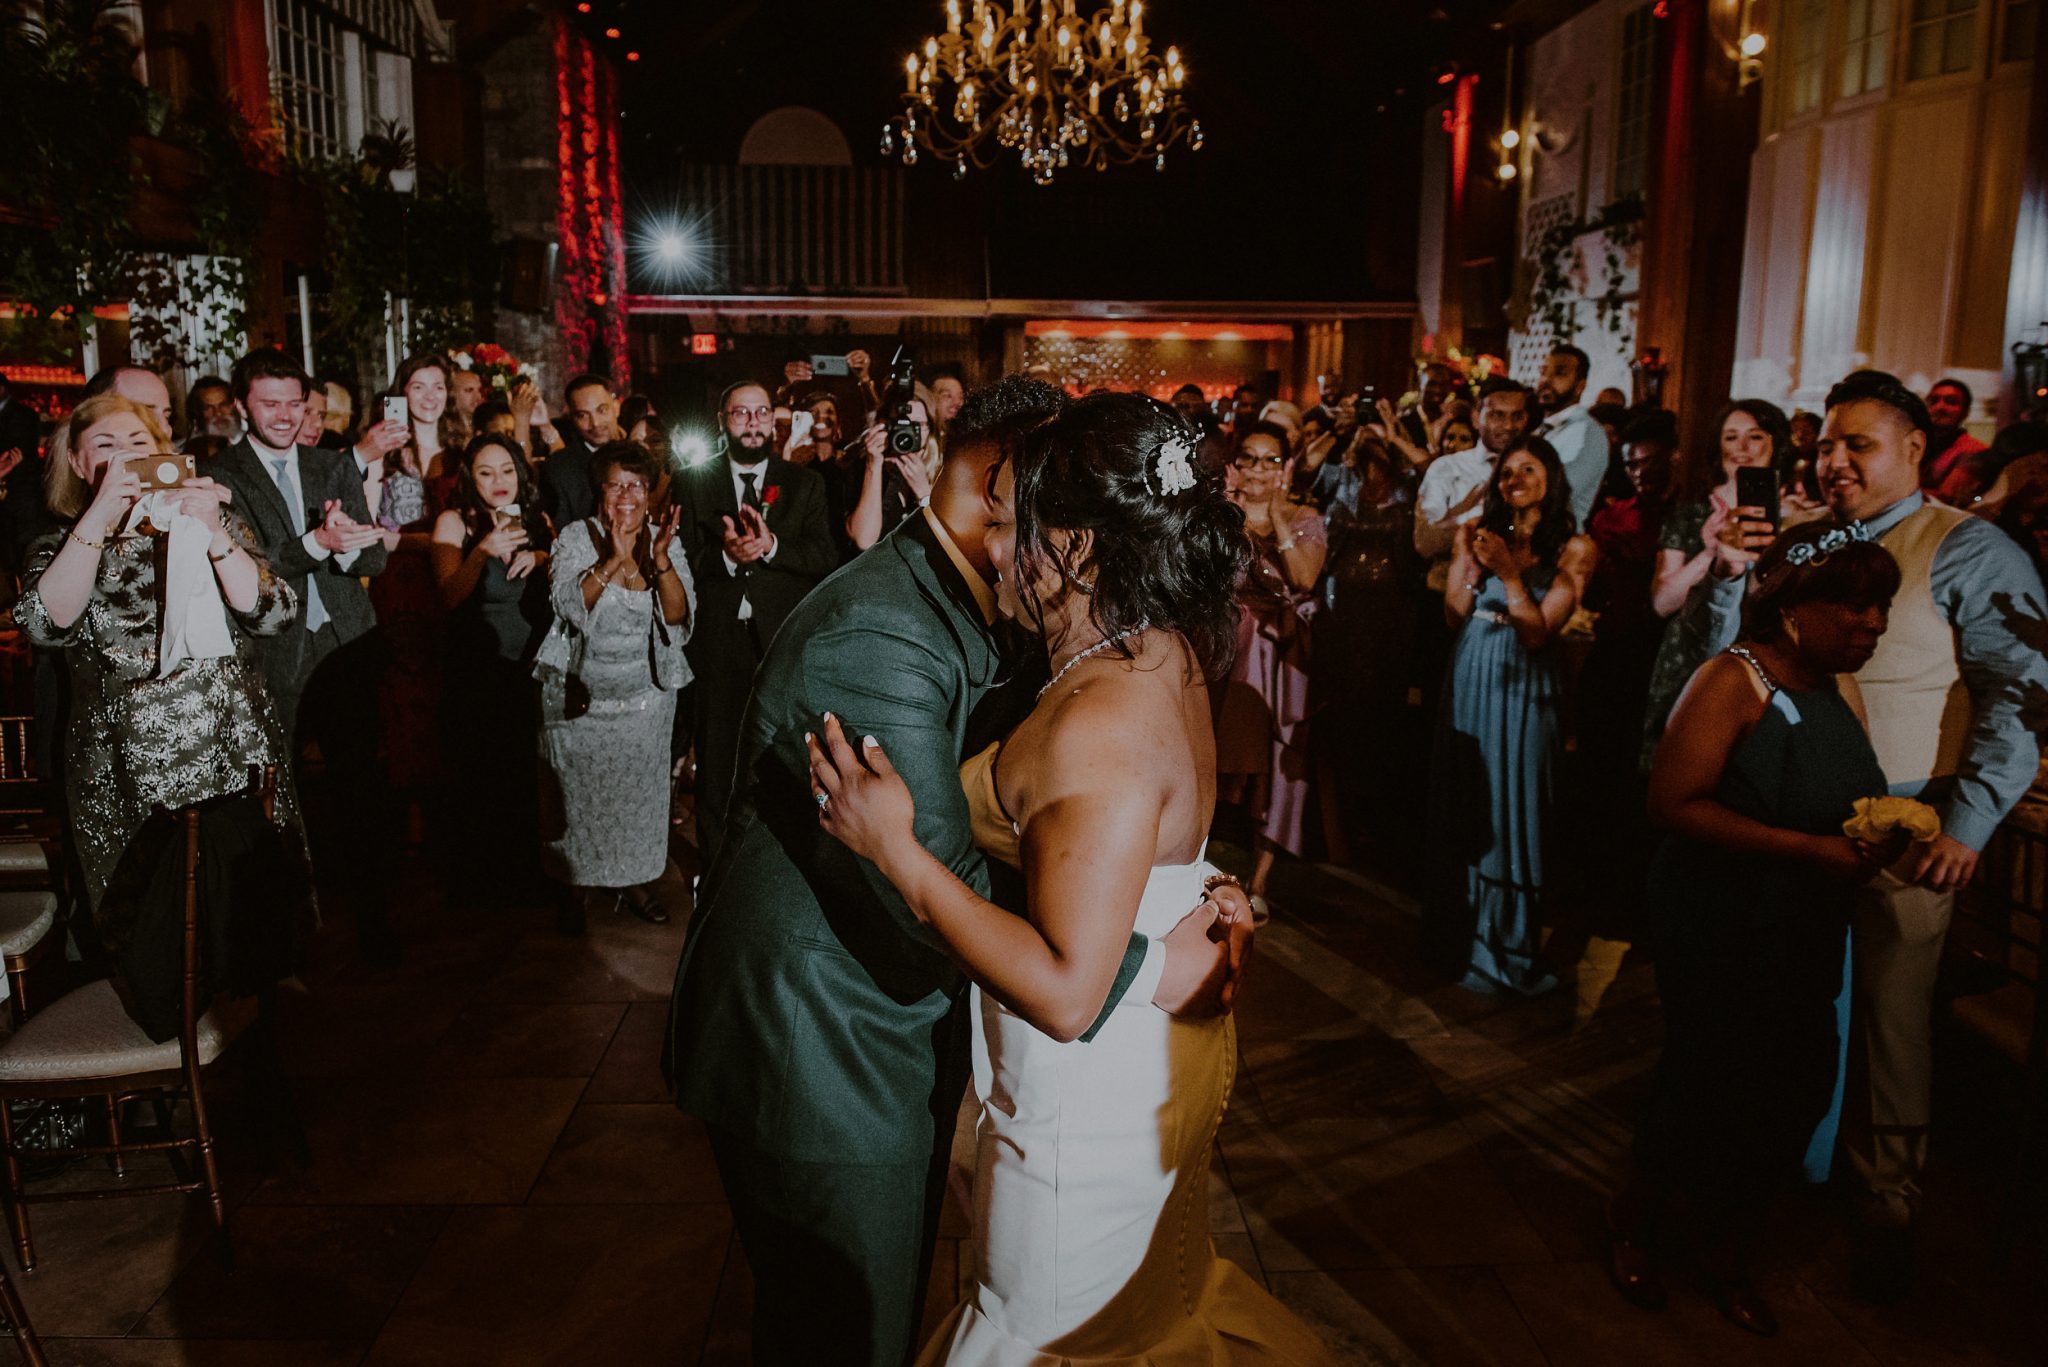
(499, 367)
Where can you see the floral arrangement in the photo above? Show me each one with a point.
(1895, 825)
(499, 367)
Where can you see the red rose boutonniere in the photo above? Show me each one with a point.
(770, 494)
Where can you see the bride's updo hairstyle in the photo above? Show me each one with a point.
(1168, 547)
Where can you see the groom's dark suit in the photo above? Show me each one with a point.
(816, 1026)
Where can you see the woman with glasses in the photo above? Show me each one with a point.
(1262, 711)
(609, 672)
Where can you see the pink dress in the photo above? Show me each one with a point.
(1263, 708)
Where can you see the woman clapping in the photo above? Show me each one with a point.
(609, 670)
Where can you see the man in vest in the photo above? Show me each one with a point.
(1949, 694)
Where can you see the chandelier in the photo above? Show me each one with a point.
(1047, 87)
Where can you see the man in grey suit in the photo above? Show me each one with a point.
(816, 1028)
(308, 508)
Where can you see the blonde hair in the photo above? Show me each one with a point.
(66, 492)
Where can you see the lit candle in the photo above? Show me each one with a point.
(1094, 97)
(910, 74)
(1137, 16)
(953, 16)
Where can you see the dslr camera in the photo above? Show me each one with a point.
(906, 433)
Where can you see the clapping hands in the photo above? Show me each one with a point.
(748, 539)
(340, 534)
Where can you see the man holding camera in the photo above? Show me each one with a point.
(755, 529)
(307, 508)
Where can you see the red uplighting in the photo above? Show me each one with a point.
(703, 344)
(583, 7)
(611, 33)
(632, 56)
(1447, 78)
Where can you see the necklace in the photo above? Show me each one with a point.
(1093, 651)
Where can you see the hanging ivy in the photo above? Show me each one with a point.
(1555, 293)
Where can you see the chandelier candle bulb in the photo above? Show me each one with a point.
(953, 16)
(910, 74)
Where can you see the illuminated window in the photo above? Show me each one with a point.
(1941, 38)
(2016, 36)
(1866, 46)
(1637, 85)
(1806, 60)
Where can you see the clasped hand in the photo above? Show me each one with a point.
(340, 534)
(1737, 536)
(1503, 558)
(863, 802)
(748, 539)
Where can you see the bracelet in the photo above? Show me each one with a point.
(1283, 546)
(216, 559)
(90, 545)
(1217, 880)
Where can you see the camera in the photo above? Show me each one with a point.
(906, 433)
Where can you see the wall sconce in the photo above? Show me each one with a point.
(1749, 48)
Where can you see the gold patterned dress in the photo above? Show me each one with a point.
(135, 742)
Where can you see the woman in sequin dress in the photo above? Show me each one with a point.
(609, 672)
(137, 741)
(1516, 577)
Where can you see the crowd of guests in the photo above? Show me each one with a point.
(1583, 634)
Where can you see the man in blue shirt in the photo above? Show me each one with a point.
(1570, 427)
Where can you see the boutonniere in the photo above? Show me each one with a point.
(770, 494)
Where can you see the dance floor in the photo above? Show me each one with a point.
(497, 1176)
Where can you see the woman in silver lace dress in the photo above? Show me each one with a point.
(141, 737)
(609, 672)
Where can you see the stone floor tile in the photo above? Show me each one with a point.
(550, 1285)
(1440, 1316)
(548, 1039)
(88, 1352)
(631, 1068)
(641, 1154)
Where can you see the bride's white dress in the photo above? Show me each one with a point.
(1091, 1187)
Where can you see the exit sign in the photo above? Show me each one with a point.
(703, 344)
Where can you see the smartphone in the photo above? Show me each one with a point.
(829, 365)
(509, 518)
(1756, 486)
(164, 471)
(394, 409)
(799, 429)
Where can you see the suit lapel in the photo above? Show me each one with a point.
(951, 599)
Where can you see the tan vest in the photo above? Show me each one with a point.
(1912, 687)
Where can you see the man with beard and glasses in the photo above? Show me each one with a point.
(758, 536)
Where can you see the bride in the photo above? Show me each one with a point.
(1090, 1194)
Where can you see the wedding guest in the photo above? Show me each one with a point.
(422, 381)
(339, 419)
(1762, 763)
(305, 505)
(893, 485)
(1287, 417)
(610, 669)
(1611, 837)
(99, 591)
(2017, 498)
(1702, 540)
(1799, 466)
(466, 392)
(313, 425)
(1952, 696)
(567, 482)
(490, 555)
(754, 528)
(1955, 471)
(1569, 426)
(1516, 577)
(210, 405)
(1263, 709)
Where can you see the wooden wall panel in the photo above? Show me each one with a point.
(1993, 207)
(1781, 189)
(1830, 335)
(1917, 237)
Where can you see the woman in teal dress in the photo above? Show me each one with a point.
(1749, 906)
(1516, 577)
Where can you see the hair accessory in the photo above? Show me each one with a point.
(1174, 464)
(1832, 540)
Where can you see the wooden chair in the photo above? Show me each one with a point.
(16, 1316)
(22, 794)
(33, 885)
(86, 1044)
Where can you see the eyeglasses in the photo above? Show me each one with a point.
(750, 414)
(1254, 462)
(624, 488)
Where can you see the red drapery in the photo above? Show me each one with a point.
(590, 304)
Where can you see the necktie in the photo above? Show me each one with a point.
(751, 497)
(281, 471)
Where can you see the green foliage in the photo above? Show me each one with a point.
(1553, 293)
(65, 165)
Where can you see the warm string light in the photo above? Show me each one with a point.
(1052, 89)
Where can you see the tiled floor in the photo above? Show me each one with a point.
(498, 1177)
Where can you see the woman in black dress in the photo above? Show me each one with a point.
(490, 556)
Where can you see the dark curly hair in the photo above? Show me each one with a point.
(1173, 560)
(1002, 412)
(477, 518)
(1555, 523)
(1859, 574)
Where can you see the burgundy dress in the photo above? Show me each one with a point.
(1263, 710)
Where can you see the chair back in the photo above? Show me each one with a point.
(21, 787)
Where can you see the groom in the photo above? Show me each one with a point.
(817, 1028)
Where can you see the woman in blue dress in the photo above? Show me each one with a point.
(1749, 905)
(1516, 577)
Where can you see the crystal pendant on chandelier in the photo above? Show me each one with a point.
(1033, 79)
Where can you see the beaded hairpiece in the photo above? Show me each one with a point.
(1172, 468)
(1830, 541)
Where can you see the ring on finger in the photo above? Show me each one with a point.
(823, 800)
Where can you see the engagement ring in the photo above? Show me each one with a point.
(821, 799)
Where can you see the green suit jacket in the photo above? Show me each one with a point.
(813, 1016)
